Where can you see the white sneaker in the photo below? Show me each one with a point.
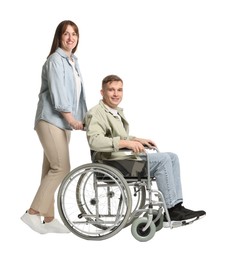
(34, 222)
(55, 227)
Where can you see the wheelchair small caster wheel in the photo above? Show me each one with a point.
(137, 230)
(158, 222)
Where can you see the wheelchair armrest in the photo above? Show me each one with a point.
(146, 148)
(125, 152)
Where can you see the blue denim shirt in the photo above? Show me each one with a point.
(58, 91)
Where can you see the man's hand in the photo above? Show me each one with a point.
(135, 146)
(146, 142)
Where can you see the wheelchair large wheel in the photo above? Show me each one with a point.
(94, 201)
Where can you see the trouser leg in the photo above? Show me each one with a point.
(166, 170)
(56, 165)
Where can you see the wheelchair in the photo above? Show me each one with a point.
(96, 200)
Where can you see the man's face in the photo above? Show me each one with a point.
(112, 94)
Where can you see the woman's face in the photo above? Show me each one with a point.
(69, 39)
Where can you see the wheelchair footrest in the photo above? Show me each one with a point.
(175, 224)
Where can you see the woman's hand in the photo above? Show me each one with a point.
(77, 125)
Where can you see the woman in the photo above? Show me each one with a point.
(61, 108)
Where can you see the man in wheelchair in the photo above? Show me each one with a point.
(108, 131)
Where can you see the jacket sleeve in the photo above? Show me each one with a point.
(99, 134)
(56, 82)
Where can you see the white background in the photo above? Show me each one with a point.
(172, 57)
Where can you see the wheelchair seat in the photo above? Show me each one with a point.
(126, 162)
(129, 168)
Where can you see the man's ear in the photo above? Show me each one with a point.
(101, 92)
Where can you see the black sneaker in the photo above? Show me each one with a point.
(179, 216)
(199, 213)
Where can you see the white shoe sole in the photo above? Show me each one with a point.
(55, 227)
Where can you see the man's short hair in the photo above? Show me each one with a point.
(109, 79)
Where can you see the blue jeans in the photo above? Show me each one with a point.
(165, 168)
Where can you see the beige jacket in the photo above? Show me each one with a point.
(104, 130)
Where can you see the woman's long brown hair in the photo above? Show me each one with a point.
(61, 28)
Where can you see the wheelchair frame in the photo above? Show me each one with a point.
(95, 201)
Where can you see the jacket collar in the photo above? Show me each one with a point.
(61, 52)
(119, 109)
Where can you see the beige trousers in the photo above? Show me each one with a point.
(56, 164)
